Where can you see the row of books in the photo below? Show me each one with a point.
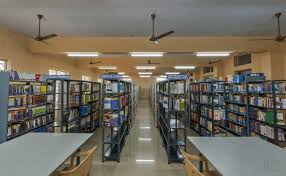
(280, 87)
(262, 129)
(179, 104)
(206, 123)
(263, 116)
(195, 98)
(266, 102)
(19, 89)
(238, 129)
(16, 102)
(236, 108)
(237, 99)
(280, 103)
(265, 87)
(23, 127)
(177, 88)
(237, 118)
(114, 87)
(115, 103)
(236, 88)
(194, 88)
(112, 120)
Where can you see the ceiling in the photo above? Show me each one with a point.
(131, 17)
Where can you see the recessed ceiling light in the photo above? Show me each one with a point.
(212, 54)
(121, 73)
(145, 73)
(172, 73)
(107, 67)
(144, 76)
(125, 76)
(145, 67)
(163, 76)
(82, 54)
(146, 54)
(185, 67)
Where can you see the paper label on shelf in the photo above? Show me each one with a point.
(62, 77)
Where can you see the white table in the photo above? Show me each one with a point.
(242, 156)
(38, 154)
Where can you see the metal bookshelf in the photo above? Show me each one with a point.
(172, 117)
(253, 107)
(25, 106)
(77, 105)
(116, 115)
(194, 106)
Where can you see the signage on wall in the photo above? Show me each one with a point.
(177, 77)
(111, 76)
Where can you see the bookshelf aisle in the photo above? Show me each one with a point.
(172, 114)
(116, 112)
(26, 104)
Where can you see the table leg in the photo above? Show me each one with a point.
(201, 166)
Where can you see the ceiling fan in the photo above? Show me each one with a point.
(279, 37)
(93, 63)
(40, 37)
(152, 63)
(155, 38)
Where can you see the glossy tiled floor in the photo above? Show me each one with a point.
(136, 149)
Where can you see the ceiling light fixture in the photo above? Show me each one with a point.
(127, 79)
(172, 73)
(145, 73)
(121, 73)
(144, 76)
(144, 139)
(146, 54)
(82, 54)
(145, 67)
(163, 76)
(212, 54)
(185, 67)
(161, 79)
(107, 67)
(125, 76)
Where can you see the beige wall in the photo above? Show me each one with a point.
(14, 49)
(272, 64)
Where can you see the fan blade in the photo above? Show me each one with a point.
(49, 36)
(164, 35)
(266, 39)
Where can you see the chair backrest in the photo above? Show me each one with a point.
(190, 168)
(84, 168)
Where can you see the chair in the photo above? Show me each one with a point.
(83, 169)
(191, 169)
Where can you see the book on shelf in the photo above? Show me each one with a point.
(266, 102)
(177, 87)
(179, 104)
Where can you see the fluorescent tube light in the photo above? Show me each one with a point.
(127, 79)
(121, 73)
(163, 76)
(185, 67)
(107, 67)
(172, 73)
(161, 79)
(144, 76)
(212, 54)
(145, 160)
(146, 54)
(145, 67)
(144, 139)
(82, 54)
(145, 73)
(125, 76)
